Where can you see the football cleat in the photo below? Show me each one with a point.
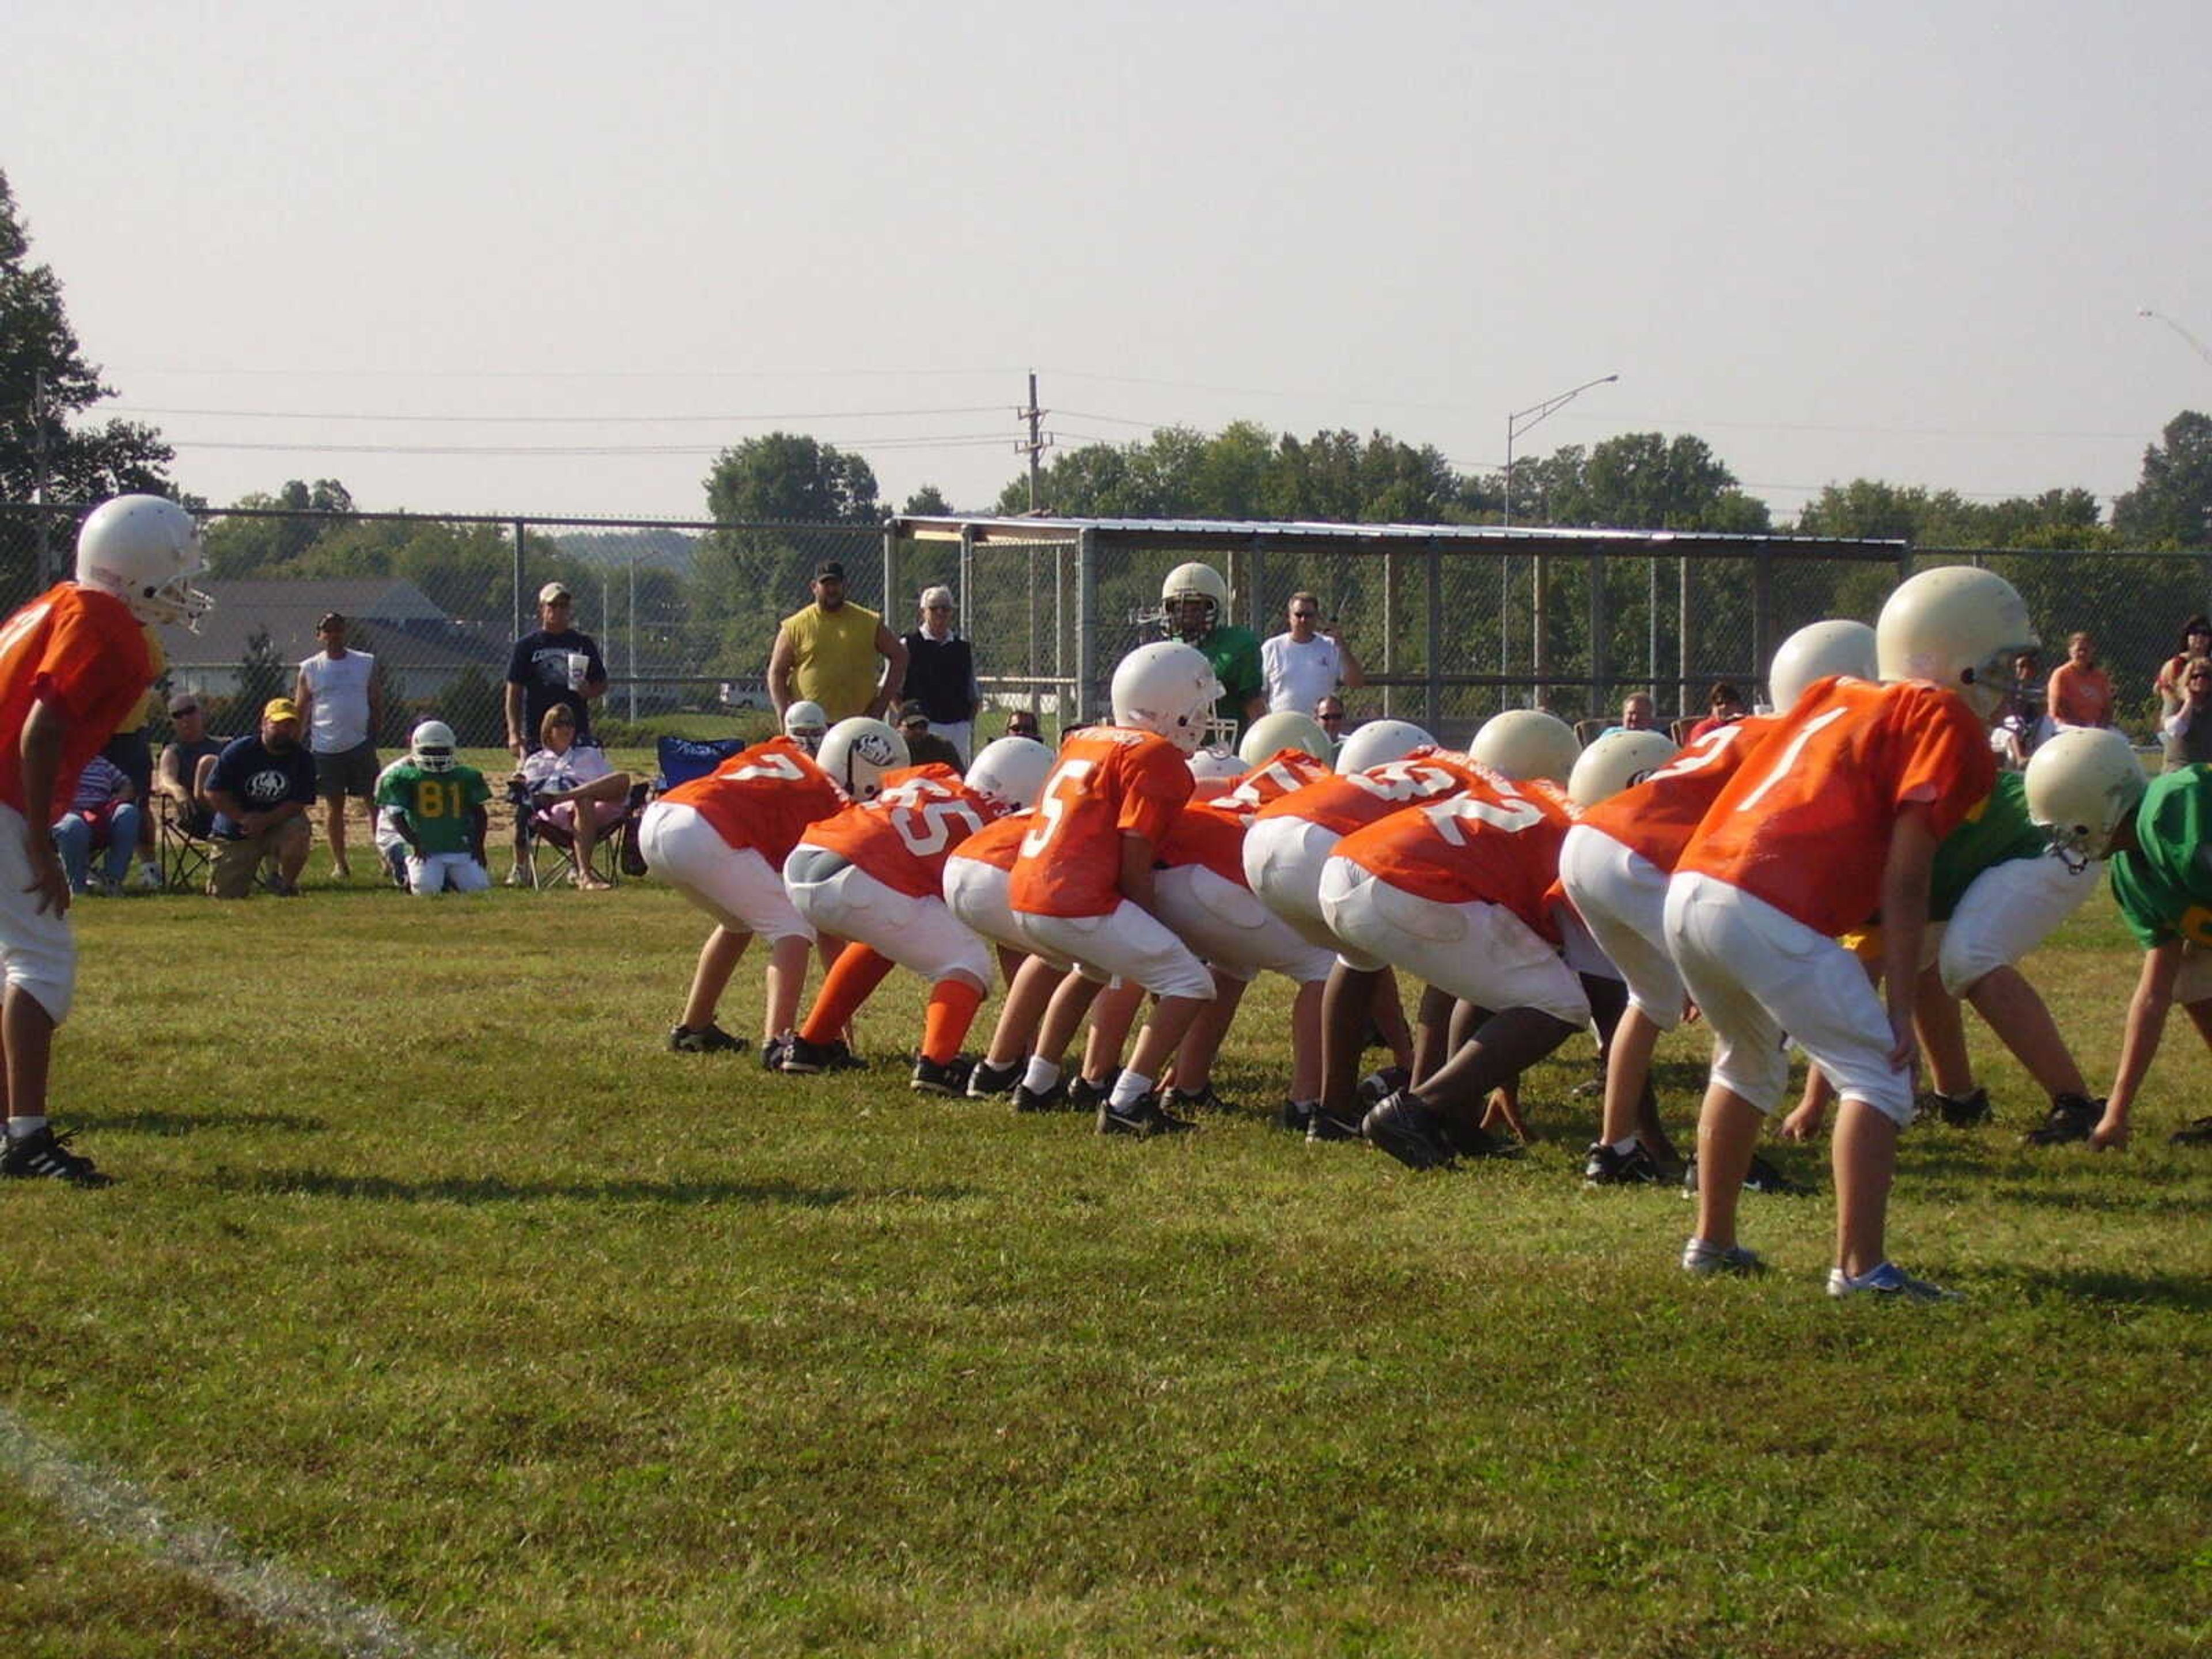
(1604, 1167)
(1204, 1101)
(42, 1153)
(772, 1054)
(708, 1039)
(1887, 1283)
(2071, 1118)
(804, 1059)
(987, 1079)
(1378, 1086)
(1325, 1126)
(1964, 1111)
(1407, 1129)
(1294, 1115)
(1707, 1261)
(2198, 1133)
(1760, 1178)
(1083, 1094)
(1144, 1120)
(1053, 1099)
(948, 1078)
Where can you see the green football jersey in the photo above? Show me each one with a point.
(437, 804)
(2164, 883)
(1997, 832)
(1235, 654)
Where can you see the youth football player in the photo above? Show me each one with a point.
(441, 807)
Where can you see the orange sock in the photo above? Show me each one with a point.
(952, 1005)
(852, 978)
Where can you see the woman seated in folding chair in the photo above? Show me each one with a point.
(572, 788)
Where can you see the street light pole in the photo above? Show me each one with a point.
(1521, 420)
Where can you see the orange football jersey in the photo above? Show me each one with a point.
(762, 798)
(997, 844)
(1344, 802)
(1657, 816)
(1494, 842)
(1805, 822)
(83, 650)
(1110, 781)
(904, 836)
(1211, 832)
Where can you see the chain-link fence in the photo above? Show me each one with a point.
(1450, 627)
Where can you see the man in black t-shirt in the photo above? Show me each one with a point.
(555, 665)
(177, 776)
(261, 788)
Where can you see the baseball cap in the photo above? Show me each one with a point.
(910, 712)
(280, 708)
(330, 617)
(182, 702)
(553, 591)
(832, 568)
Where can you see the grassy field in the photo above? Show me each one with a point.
(431, 1275)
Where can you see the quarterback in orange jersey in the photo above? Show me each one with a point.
(1082, 883)
(1459, 891)
(1836, 815)
(722, 840)
(73, 663)
(874, 875)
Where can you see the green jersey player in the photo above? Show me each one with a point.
(440, 811)
(1194, 596)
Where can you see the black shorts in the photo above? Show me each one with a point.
(347, 772)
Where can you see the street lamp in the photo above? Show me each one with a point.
(1521, 420)
(2201, 349)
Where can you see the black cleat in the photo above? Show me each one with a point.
(1294, 1115)
(1760, 1178)
(1604, 1167)
(1323, 1125)
(842, 1059)
(1144, 1120)
(1959, 1111)
(772, 1054)
(1204, 1101)
(2071, 1117)
(1083, 1094)
(1378, 1086)
(804, 1059)
(708, 1039)
(2198, 1133)
(987, 1079)
(42, 1153)
(1053, 1099)
(1407, 1129)
(950, 1079)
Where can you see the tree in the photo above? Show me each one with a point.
(42, 367)
(789, 477)
(2171, 505)
(262, 674)
(241, 547)
(928, 503)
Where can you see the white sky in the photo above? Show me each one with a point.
(1907, 241)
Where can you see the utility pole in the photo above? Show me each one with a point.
(38, 474)
(1037, 440)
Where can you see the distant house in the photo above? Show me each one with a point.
(418, 648)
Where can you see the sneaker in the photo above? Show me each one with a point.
(1760, 1178)
(804, 1059)
(1144, 1120)
(773, 1052)
(1294, 1115)
(1053, 1099)
(1084, 1095)
(2198, 1133)
(1326, 1127)
(950, 1079)
(149, 879)
(988, 1080)
(1407, 1129)
(1887, 1282)
(2070, 1118)
(1707, 1260)
(520, 876)
(1959, 1111)
(708, 1039)
(1378, 1086)
(1604, 1167)
(1204, 1101)
(43, 1152)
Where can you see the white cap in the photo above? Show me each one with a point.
(935, 596)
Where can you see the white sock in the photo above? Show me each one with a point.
(1129, 1088)
(1041, 1075)
(22, 1128)
(1624, 1146)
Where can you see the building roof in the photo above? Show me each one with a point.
(287, 611)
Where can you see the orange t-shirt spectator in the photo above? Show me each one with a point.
(2080, 693)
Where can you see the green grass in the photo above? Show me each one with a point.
(431, 1273)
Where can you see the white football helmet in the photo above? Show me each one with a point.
(1198, 582)
(432, 747)
(1617, 760)
(1284, 729)
(804, 723)
(1527, 743)
(1217, 765)
(1377, 743)
(144, 550)
(1011, 770)
(1816, 651)
(857, 752)
(2081, 786)
(1960, 628)
(1166, 688)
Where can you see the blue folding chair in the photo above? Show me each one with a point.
(683, 759)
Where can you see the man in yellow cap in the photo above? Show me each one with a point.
(262, 788)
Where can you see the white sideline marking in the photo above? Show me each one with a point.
(116, 1510)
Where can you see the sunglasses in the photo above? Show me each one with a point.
(938, 607)
(179, 713)
(1304, 616)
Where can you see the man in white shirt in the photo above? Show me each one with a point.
(342, 705)
(1308, 663)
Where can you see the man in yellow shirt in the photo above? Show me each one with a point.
(836, 653)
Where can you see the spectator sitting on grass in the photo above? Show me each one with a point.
(102, 814)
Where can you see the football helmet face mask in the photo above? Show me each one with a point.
(1194, 597)
(805, 724)
(1011, 771)
(2081, 786)
(1377, 743)
(1959, 627)
(431, 746)
(1217, 765)
(1814, 653)
(1285, 729)
(144, 550)
(1617, 760)
(1167, 689)
(1527, 743)
(857, 752)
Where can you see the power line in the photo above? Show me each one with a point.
(948, 440)
(565, 420)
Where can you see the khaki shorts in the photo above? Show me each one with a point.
(235, 861)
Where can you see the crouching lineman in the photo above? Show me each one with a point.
(73, 663)
(722, 841)
(874, 875)
(1836, 815)
(1081, 888)
(438, 808)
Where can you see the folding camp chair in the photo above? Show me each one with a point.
(187, 857)
(548, 858)
(681, 759)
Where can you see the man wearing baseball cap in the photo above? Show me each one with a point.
(261, 788)
(836, 653)
(556, 663)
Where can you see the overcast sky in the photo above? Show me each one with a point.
(1905, 241)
